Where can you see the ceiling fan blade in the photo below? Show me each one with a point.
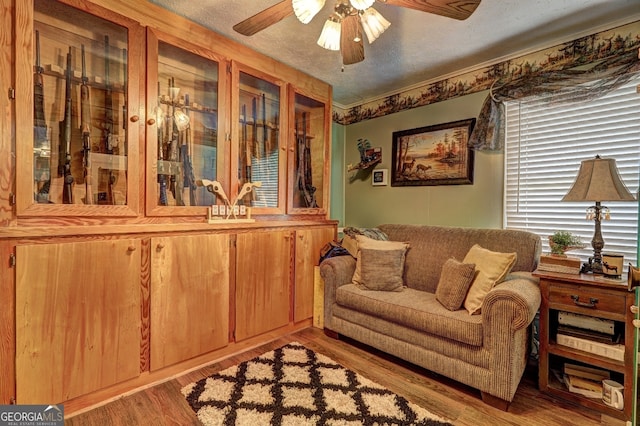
(456, 9)
(351, 44)
(264, 19)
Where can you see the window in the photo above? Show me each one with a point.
(545, 144)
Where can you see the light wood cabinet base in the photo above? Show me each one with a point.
(146, 380)
(79, 312)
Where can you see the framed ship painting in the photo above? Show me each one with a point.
(433, 155)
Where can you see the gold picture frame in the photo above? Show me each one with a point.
(433, 155)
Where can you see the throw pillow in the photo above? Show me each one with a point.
(491, 269)
(350, 243)
(373, 233)
(454, 283)
(379, 264)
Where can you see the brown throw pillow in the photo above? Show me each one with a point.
(380, 264)
(454, 283)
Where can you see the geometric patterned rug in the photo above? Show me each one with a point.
(296, 386)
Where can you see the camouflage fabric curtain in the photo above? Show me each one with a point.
(559, 86)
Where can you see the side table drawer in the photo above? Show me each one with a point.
(587, 298)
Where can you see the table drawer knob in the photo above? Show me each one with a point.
(591, 304)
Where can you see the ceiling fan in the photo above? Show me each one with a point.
(343, 29)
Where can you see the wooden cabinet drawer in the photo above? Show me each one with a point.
(586, 297)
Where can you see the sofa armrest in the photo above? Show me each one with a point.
(335, 272)
(520, 292)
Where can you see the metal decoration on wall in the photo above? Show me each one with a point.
(433, 155)
(369, 156)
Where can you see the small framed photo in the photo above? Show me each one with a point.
(379, 177)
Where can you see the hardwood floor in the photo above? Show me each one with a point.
(164, 405)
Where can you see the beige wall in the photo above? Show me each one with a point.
(476, 205)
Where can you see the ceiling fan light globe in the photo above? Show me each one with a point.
(330, 35)
(362, 4)
(305, 10)
(373, 23)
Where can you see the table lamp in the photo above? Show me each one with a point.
(598, 180)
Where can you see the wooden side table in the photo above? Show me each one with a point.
(595, 296)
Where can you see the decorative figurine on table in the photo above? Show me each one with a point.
(231, 208)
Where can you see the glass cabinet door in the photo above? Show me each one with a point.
(260, 156)
(183, 154)
(309, 155)
(80, 156)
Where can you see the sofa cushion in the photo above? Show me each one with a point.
(491, 269)
(414, 309)
(379, 264)
(454, 283)
(431, 246)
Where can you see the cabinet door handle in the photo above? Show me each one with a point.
(134, 118)
(591, 304)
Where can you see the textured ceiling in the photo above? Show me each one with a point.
(418, 46)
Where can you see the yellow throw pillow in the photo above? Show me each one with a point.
(351, 244)
(379, 264)
(491, 269)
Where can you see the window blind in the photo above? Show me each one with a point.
(545, 144)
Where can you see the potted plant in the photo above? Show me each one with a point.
(563, 241)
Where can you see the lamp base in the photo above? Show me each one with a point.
(593, 266)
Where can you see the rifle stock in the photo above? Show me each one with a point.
(264, 125)
(108, 136)
(41, 141)
(189, 179)
(309, 189)
(299, 158)
(246, 146)
(64, 161)
(162, 177)
(85, 120)
(254, 125)
(125, 107)
(173, 146)
(305, 174)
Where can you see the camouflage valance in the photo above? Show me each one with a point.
(554, 86)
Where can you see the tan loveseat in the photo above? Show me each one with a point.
(487, 351)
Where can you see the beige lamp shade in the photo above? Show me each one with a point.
(598, 180)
